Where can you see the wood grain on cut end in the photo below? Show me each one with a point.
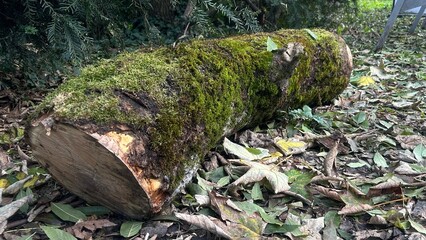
(87, 168)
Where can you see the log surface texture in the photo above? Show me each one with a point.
(130, 132)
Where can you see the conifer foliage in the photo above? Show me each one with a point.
(42, 39)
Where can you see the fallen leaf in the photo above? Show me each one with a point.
(419, 228)
(67, 212)
(259, 171)
(243, 152)
(420, 152)
(355, 209)
(332, 221)
(210, 224)
(202, 200)
(365, 81)
(410, 141)
(377, 220)
(379, 160)
(405, 169)
(11, 208)
(391, 186)
(4, 160)
(289, 147)
(371, 234)
(15, 187)
(312, 34)
(271, 45)
(91, 225)
(251, 208)
(130, 228)
(330, 160)
(312, 228)
(380, 73)
(57, 234)
(330, 193)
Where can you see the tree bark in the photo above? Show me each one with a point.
(130, 132)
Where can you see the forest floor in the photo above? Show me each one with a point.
(356, 169)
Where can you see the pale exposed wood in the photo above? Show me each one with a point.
(89, 169)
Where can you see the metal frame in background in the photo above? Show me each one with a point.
(401, 7)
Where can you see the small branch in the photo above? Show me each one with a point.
(295, 195)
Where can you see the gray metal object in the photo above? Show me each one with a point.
(400, 7)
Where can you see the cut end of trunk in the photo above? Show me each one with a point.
(95, 168)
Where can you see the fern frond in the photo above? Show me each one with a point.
(232, 17)
(47, 6)
(69, 6)
(30, 9)
(54, 29)
(250, 20)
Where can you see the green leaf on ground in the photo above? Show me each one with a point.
(250, 208)
(94, 210)
(130, 229)
(379, 160)
(57, 234)
(67, 212)
(243, 152)
(420, 152)
(419, 227)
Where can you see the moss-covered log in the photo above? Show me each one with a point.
(130, 132)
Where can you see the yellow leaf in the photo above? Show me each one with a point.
(365, 81)
(31, 182)
(289, 146)
(3, 183)
(20, 175)
(276, 154)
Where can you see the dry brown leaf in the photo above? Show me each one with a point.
(80, 229)
(4, 160)
(330, 160)
(354, 189)
(373, 234)
(202, 200)
(11, 208)
(224, 207)
(3, 226)
(355, 209)
(312, 227)
(236, 223)
(405, 169)
(330, 193)
(33, 213)
(15, 187)
(210, 224)
(321, 178)
(389, 187)
(259, 171)
(24, 156)
(410, 141)
(329, 142)
(377, 220)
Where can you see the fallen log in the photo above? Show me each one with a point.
(130, 132)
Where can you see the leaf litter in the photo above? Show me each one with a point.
(353, 169)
